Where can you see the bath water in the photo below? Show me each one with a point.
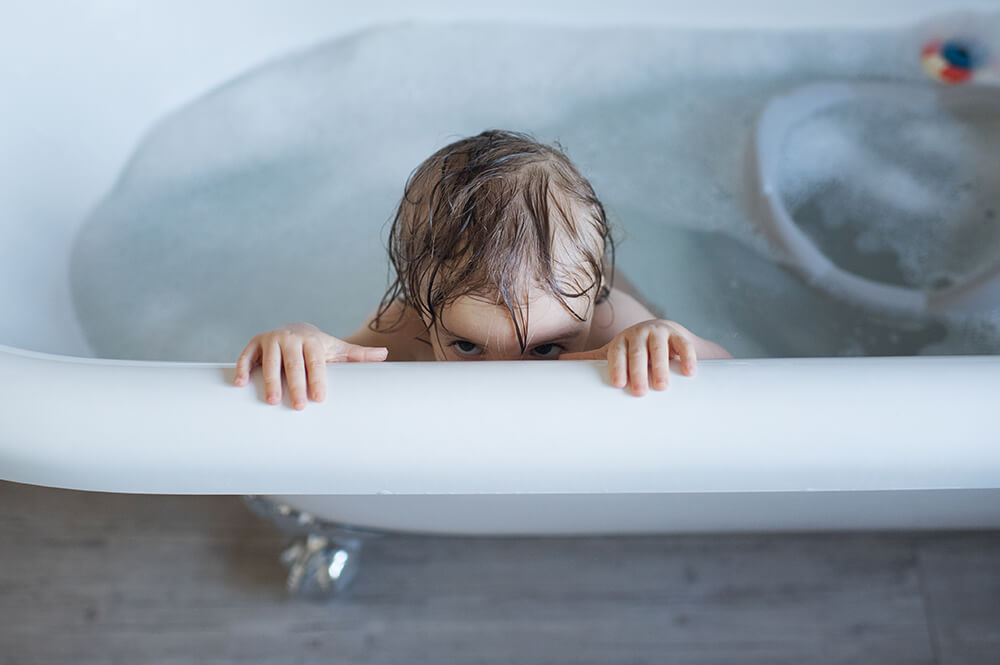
(904, 193)
(267, 200)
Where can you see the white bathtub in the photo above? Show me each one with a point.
(750, 444)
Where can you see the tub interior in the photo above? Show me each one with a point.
(263, 196)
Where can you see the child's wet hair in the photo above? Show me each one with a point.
(493, 215)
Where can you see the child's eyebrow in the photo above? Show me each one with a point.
(560, 336)
(566, 334)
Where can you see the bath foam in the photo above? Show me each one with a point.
(266, 200)
(906, 192)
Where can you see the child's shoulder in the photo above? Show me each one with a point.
(398, 328)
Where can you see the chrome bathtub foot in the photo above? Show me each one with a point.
(324, 557)
(321, 567)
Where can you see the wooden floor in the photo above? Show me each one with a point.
(101, 578)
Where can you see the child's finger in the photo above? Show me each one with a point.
(355, 353)
(617, 363)
(315, 357)
(638, 365)
(245, 363)
(684, 347)
(295, 374)
(659, 360)
(271, 368)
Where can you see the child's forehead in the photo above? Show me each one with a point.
(539, 305)
(482, 320)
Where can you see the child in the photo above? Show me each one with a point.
(502, 252)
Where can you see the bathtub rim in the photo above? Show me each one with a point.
(190, 404)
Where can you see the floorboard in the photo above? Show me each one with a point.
(97, 578)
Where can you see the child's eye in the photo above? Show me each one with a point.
(548, 350)
(466, 348)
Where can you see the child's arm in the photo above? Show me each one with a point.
(304, 350)
(634, 341)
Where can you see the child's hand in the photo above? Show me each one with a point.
(644, 348)
(304, 350)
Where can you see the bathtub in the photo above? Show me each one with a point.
(749, 444)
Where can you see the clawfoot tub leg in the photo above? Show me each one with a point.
(321, 567)
(324, 557)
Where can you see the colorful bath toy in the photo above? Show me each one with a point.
(954, 60)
